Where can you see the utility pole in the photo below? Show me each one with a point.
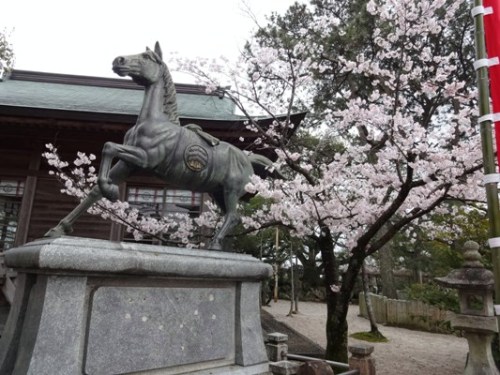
(292, 281)
(491, 178)
(276, 267)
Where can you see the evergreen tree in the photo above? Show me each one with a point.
(6, 51)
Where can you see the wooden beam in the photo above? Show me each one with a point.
(27, 201)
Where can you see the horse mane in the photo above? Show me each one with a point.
(169, 98)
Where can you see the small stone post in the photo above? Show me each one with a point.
(361, 359)
(277, 350)
(476, 319)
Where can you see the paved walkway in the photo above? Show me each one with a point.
(407, 352)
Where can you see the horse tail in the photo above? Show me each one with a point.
(263, 167)
(170, 98)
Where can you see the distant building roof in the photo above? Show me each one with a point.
(92, 101)
(103, 95)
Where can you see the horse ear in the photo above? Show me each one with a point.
(158, 50)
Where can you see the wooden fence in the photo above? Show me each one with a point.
(408, 314)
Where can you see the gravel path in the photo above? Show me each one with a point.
(407, 352)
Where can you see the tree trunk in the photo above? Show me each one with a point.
(338, 305)
(311, 275)
(292, 282)
(275, 289)
(298, 287)
(337, 300)
(296, 305)
(369, 308)
(276, 272)
(386, 272)
(336, 336)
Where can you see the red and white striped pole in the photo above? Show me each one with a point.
(491, 19)
(485, 65)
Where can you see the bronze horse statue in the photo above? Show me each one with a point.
(183, 156)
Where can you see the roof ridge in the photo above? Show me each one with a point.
(73, 79)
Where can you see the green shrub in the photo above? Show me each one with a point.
(369, 336)
(435, 295)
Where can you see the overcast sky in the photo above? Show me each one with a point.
(83, 37)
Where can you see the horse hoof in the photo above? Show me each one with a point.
(53, 232)
(58, 231)
(214, 245)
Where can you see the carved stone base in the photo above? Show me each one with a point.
(96, 307)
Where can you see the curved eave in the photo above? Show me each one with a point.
(231, 130)
(27, 111)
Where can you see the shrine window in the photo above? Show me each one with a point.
(11, 193)
(158, 202)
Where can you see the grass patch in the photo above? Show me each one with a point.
(369, 336)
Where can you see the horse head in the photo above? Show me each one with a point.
(149, 70)
(144, 68)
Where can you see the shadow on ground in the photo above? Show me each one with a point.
(297, 343)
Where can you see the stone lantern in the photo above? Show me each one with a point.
(476, 319)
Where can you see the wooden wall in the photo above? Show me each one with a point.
(50, 206)
(23, 140)
(43, 205)
(407, 314)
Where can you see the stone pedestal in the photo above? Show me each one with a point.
(479, 332)
(477, 319)
(93, 307)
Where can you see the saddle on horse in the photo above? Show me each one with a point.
(210, 139)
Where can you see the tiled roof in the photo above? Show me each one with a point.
(110, 96)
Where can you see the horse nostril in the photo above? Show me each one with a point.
(119, 61)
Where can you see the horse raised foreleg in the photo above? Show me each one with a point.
(131, 155)
(117, 174)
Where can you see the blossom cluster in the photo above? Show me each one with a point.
(79, 178)
(403, 150)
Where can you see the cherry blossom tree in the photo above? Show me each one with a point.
(79, 177)
(391, 129)
(6, 52)
(399, 106)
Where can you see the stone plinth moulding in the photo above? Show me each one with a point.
(93, 307)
